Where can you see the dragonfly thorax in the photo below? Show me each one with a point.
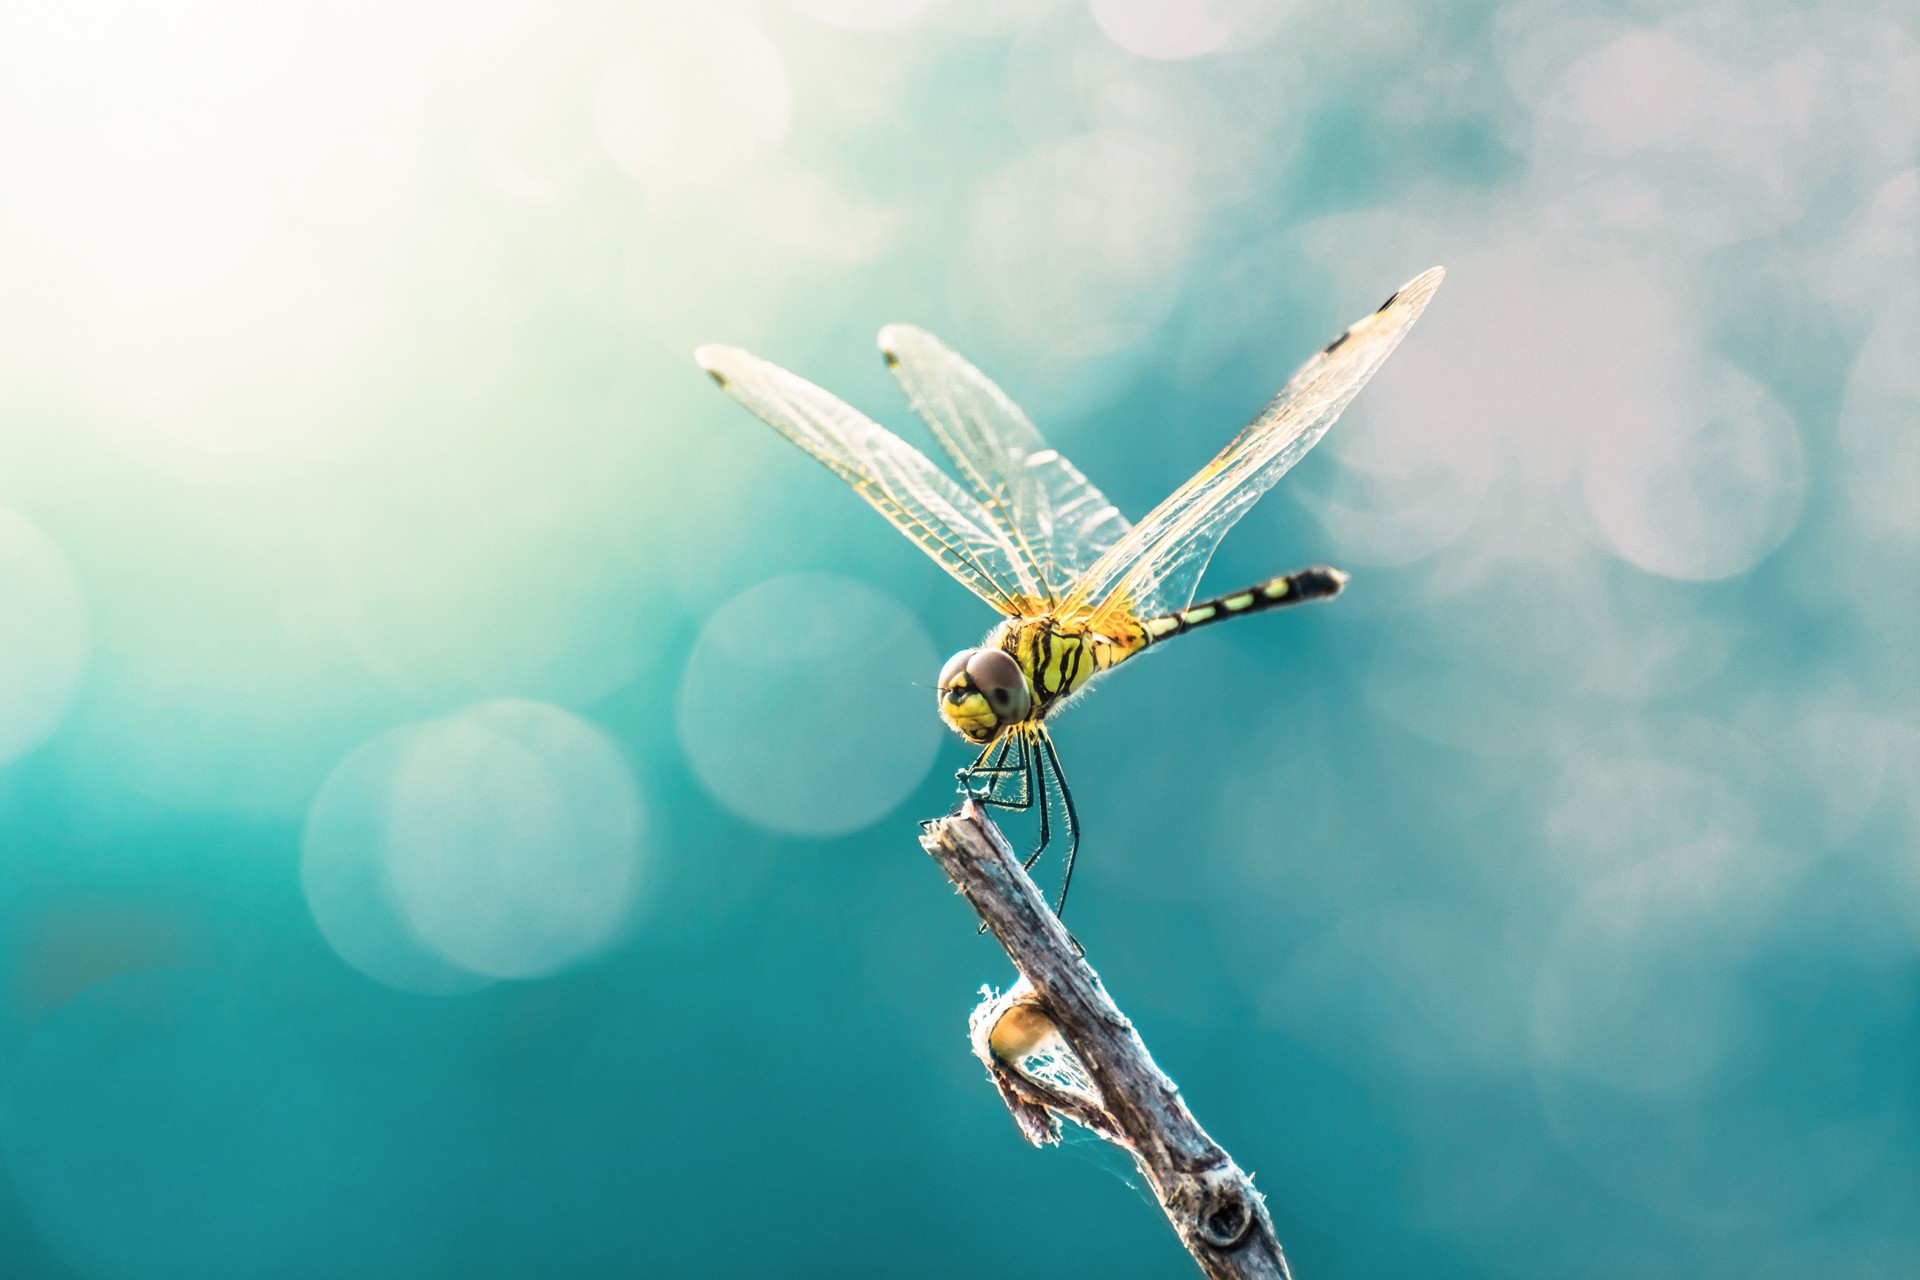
(1021, 672)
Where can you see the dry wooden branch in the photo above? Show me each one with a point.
(1097, 1072)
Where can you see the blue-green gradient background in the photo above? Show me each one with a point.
(458, 772)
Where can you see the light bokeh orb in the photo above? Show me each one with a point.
(807, 705)
(43, 636)
(503, 842)
(344, 873)
(1706, 492)
(514, 839)
(1179, 29)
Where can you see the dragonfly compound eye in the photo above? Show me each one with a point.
(1000, 680)
(951, 672)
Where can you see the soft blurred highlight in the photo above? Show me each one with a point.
(458, 772)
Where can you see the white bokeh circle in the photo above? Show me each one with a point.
(807, 704)
(503, 842)
(1709, 490)
(343, 872)
(514, 839)
(1173, 30)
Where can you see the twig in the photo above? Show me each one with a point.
(1057, 1045)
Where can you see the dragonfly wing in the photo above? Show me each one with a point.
(1049, 510)
(1157, 566)
(922, 501)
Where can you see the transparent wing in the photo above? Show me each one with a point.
(921, 500)
(1049, 509)
(1156, 567)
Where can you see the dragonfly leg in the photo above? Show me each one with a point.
(1023, 770)
(982, 767)
(993, 766)
(989, 764)
(1037, 786)
(1070, 818)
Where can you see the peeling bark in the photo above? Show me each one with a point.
(1098, 1074)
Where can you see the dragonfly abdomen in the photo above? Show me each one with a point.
(1318, 583)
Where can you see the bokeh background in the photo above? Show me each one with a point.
(460, 772)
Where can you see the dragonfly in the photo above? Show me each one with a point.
(1081, 590)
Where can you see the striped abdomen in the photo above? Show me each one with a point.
(1317, 583)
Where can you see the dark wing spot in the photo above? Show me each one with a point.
(1334, 346)
(1389, 302)
(719, 378)
(893, 361)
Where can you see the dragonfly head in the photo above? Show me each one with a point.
(982, 691)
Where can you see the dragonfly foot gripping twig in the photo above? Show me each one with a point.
(1056, 1045)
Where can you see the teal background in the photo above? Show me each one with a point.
(458, 772)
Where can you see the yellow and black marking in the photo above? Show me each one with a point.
(1318, 583)
(1057, 658)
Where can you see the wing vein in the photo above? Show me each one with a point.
(1156, 567)
(923, 502)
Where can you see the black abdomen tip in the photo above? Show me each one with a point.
(1321, 580)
